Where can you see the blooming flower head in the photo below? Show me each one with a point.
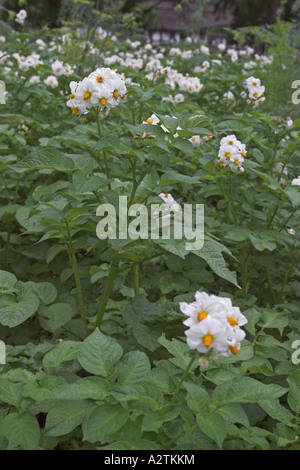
(21, 16)
(51, 81)
(213, 324)
(231, 152)
(102, 90)
(256, 92)
(296, 181)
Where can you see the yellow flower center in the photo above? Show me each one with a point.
(255, 95)
(234, 349)
(244, 154)
(202, 315)
(100, 79)
(149, 121)
(166, 195)
(236, 162)
(74, 110)
(103, 101)
(58, 69)
(230, 142)
(232, 321)
(254, 83)
(115, 94)
(71, 96)
(86, 95)
(227, 154)
(221, 164)
(207, 340)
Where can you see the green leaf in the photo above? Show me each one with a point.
(43, 389)
(14, 310)
(46, 291)
(64, 417)
(103, 421)
(234, 413)
(197, 397)
(44, 159)
(261, 243)
(171, 177)
(64, 351)
(95, 388)
(294, 393)
(21, 429)
(7, 282)
(133, 367)
(171, 123)
(277, 411)
(198, 120)
(245, 390)
(213, 426)
(179, 350)
(54, 317)
(211, 252)
(10, 392)
(99, 353)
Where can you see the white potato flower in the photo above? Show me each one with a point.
(213, 324)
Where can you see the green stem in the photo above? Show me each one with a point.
(136, 272)
(182, 380)
(7, 245)
(76, 274)
(285, 279)
(109, 285)
(104, 154)
(272, 217)
(244, 272)
(270, 285)
(287, 220)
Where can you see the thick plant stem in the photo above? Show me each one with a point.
(182, 380)
(110, 281)
(76, 274)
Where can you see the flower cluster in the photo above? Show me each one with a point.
(256, 92)
(58, 69)
(21, 16)
(31, 61)
(231, 152)
(213, 324)
(102, 90)
(51, 81)
(196, 140)
(296, 181)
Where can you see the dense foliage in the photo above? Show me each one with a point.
(96, 351)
